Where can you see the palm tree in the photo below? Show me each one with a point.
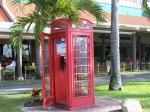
(146, 7)
(115, 79)
(47, 11)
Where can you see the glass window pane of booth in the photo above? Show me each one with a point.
(46, 67)
(82, 65)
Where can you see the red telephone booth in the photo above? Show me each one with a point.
(68, 65)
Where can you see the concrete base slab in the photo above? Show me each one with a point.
(101, 105)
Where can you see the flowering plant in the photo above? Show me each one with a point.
(35, 92)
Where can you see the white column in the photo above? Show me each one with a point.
(134, 51)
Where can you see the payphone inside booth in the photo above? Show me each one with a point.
(61, 50)
(68, 80)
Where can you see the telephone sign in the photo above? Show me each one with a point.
(61, 47)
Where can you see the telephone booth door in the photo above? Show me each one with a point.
(60, 68)
(47, 76)
(83, 69)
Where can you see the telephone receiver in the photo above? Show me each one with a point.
(62, 62)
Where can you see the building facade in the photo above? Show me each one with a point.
(8, 15)
(134, 28)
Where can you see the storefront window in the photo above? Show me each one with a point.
(7, 50)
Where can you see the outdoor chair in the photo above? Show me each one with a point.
(29, 72)
(128, 67)
(101, 69)
(8, 74)
(122, 67)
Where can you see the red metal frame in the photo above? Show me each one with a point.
(74, 88)
(46, 65)
(83, 77)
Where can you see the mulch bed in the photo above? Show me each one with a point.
(33, 103)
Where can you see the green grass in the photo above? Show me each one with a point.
(135, 90)
(132, 73)
(11, 103)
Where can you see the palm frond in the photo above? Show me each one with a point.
(50, 10)
(145, 8)
(23, 24)
(64, 8)
(16, 33)
(91, 6)
(40, 24)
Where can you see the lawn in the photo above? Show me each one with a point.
(11, 102)
(133, 73)
(135, 90)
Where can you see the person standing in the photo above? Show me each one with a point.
(108, 63)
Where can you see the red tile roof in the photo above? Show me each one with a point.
(123, 19)
(87, 15)
(131, 20)
(20, 10)
(3, 16)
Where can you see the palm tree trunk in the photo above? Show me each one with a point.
(115, 79)
(38, 59)
(19, 62)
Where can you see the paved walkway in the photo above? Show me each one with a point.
(101, 105)
(22, 87)
(125, 78)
